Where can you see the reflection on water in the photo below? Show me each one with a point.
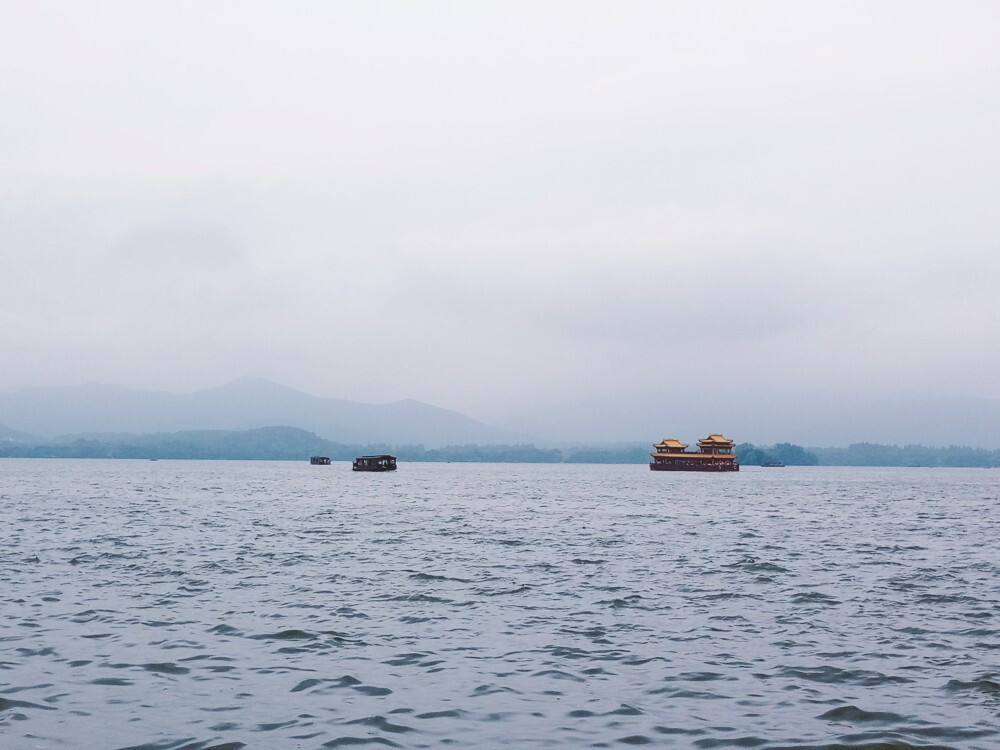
(228, 604)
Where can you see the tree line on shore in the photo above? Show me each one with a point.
(289, 443)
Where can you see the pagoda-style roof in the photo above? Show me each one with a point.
(671, 444)
(716, 440)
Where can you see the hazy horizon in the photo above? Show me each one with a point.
(767, 219)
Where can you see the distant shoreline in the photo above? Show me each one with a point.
(347, 462)
(293, 444)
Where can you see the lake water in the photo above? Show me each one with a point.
(183, 604)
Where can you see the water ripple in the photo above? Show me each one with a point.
(215, 606)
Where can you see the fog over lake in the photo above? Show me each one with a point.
(566, 219)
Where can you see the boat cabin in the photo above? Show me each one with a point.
(375, 463)
(670, 445)
(716, 444)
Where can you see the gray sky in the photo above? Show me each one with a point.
(501, 206)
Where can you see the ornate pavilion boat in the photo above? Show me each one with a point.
(715, 453)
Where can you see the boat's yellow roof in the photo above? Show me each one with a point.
(715, 438)
(671, 443)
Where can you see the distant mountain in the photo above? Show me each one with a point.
(244, 404)
(249, 403)
(14, 436)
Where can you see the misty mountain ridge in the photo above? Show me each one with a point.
(15, 436)
(627, 418)
(243, 404)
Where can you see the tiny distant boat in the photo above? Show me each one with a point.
(375, 463)
(319, 460)
(773, 464)
(715, 453)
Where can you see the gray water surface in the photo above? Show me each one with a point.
(183, 604)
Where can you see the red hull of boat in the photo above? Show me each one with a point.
(696, 465)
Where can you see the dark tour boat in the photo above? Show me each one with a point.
(375, 463)
(319, 460)
(715, 453)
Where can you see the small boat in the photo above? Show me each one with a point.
(773, 464)
(319, 460)
(384, 462)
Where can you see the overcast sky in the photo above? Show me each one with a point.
(489, 205)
